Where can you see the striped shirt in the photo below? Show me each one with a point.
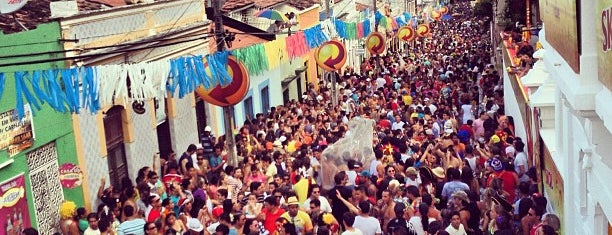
(135, 226)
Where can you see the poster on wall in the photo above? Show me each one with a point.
(553, 184)
(70, 175)
(563, 37)
(16, 135)
(14, 213)
(604, 37)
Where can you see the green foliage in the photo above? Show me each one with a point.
(484, 8)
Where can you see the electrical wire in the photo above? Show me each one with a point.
(92, 48)
(98, 54)
(171, 27)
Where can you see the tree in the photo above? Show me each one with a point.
(484, 8)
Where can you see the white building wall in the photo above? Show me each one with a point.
(272, 79)
(97, 165)
(583, 134)
(512, 107)
(139, 153)
(183, 126)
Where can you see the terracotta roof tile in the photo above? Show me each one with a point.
(303, 4)
(361, 7)
(38, 12)
(235, 4)
(337, 1)
(242, 40)
(268, 3)
(111, 3)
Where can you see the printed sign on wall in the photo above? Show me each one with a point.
(562, 36)
(14, 213)
(604, 36)
(70, 175)
(16, 135)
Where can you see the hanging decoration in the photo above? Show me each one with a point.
(406, 33)
(2, 80)
(444, 10)
(375, 43)
(22, 90)
(90, 96)
(422, 30)
(366, 27)
(360, 30)
(296, 45)
(50, 91)
(72, 89)
(436, 15)
(331, 56)
(113, 87)
(70, 79)
(315, 36)
(276, 52)
(253, 57)
(232, 93)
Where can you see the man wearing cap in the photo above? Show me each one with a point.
(208, 142)
(510, 179)
(300, 219)
(412, 177)
(194, 226)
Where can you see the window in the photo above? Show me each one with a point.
(265, 100)
(286, 96)
(244, 16)
(248, 109)
(115, 148)
(200, 116)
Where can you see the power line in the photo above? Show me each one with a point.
(171, 27)
(99, 54)
(126, 44)
(92, 48)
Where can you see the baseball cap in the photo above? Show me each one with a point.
(208, 128)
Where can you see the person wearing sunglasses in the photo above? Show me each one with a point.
(151, 229)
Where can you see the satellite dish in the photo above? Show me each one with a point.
(10, 6)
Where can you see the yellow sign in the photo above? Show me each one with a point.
(16, 134)
(553, 184)
(11, 197)
(604, 36)
(561, 29)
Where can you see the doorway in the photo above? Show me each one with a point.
(115, 147)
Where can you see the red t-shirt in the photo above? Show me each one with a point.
(153, 215)
(270, 220)
(384, 123)
(508, 183)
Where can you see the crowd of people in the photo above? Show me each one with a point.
(445, 158)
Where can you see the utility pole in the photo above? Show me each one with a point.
(334, 92)
(375, 10)
(228, 111)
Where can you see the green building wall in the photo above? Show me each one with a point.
(48, 124)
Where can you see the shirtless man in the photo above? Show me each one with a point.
(386, 206)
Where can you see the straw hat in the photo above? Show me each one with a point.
(439, 172)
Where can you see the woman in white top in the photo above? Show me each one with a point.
(466, 110)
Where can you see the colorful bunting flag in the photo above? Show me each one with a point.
(296, 45)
